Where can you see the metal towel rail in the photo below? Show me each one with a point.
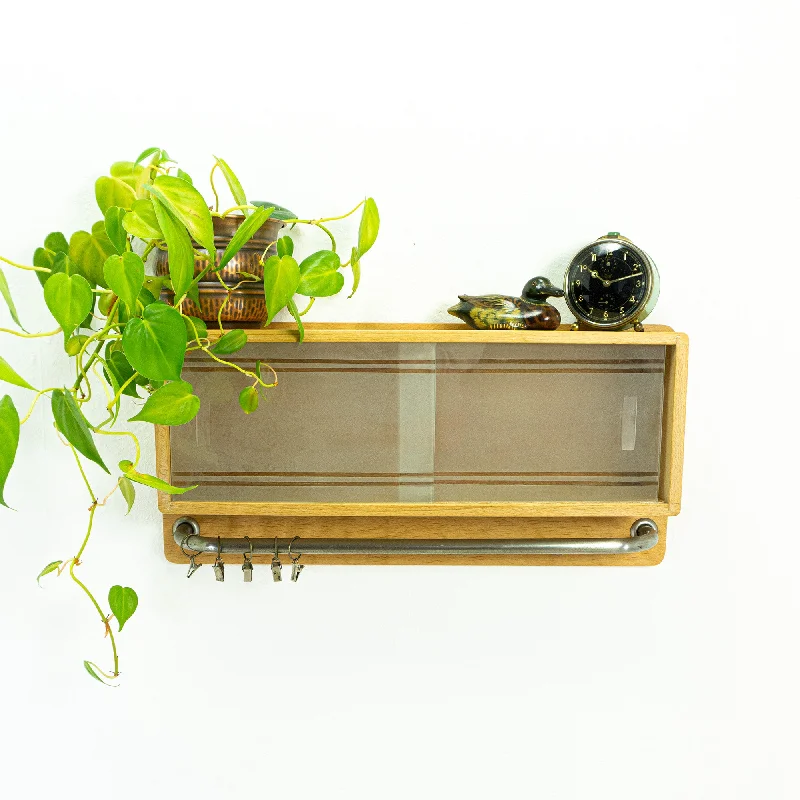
(643, 536)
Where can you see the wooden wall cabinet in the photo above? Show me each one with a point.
(435, 432)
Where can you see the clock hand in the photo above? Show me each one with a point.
(634, 275)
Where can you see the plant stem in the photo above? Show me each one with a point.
(324, 219)
(243, 371)
(30, 335)
(99, 610)
(133, 436)
(77, 560)
(330, 236)
(214, 188)
(246, 207)
(307, 308)
(88, 488)
(122, 389)
(22, 266)
(99, 335)
(263, 255)
(33, 404)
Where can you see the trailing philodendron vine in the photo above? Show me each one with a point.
(124, 340)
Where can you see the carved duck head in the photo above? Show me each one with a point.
(538, 289)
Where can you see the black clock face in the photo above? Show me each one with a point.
(607, 283)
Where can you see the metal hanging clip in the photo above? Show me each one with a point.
(276, 564)
(219, 567)
(247, 566)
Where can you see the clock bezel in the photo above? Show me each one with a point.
(640, 312)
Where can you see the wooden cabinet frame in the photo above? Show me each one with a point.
(465, 519)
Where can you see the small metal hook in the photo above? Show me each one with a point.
(247, 566)
(276, 564)
(193, 565)
(219, 566)
(297, 567)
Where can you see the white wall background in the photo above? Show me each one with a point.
(498, 138)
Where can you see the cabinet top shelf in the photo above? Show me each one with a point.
(454, 332)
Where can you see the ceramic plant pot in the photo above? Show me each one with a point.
(246, 260)
(247, 303)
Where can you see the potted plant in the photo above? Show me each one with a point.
(133, 295)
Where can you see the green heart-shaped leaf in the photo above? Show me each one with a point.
(355, 265)
(124, 275)
(134, 175)
(128, 492)
(113, 192)
(195, 329)
(279, 212)
(244, 234)
(6, 292)
(9, 375)
(122, 601)
(185, 176)
(148, 152)
(51, 567)
(56, 242)
(230, 342)
(281, 278)
(73, 426)
(90, 668)
(117, 235)
(186, 204)
(179, 245)
(90, 251)
(319, 275)
(141, 221)
(44, 256)
(9, 439)
(248, 399)
(69, 298)
(293, 310)
(121, 371)
(233, 185)
(152, 482)
(285, 246)
(368, 229)
(155, 345)
(173, 404)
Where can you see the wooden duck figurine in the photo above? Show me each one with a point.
(497, 311)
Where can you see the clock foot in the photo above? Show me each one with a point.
(574, 326)
(638, 327)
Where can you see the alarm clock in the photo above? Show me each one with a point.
(611, 284)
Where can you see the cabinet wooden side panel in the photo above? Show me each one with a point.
(163, 465)
(425, 528)
(675, 385)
